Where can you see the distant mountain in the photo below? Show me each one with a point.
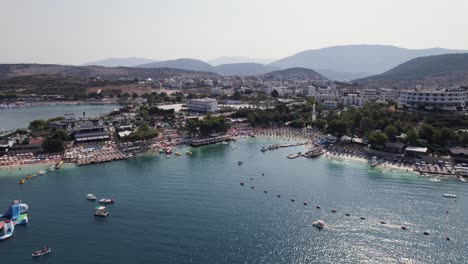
(18, 70)
(350, 60)
(295, 73)
(243, 69)
(119, 62)
(342, 76)
(431, 71)
(185, 64)
(238, 59)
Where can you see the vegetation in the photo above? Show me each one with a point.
(54, 142)
(142, 132)
(207, 125)
(38, 125)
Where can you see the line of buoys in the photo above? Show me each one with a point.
(426, 233)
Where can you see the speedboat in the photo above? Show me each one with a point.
(374, 161)
(43, 251)
(319, 224)
(449, 195)
(106, 201)
(101, 211)
(30, 176)
(42, 172)
(188, 152)
(177, 153)
(21, 181)
(90, 197)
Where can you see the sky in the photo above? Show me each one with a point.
(79, 31)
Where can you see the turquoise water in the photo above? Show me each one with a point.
(192, 209)
(21, 117)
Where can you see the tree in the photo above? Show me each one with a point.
(274, 93)
(38, 125)
(365, 125)
(377, 138)
(337, 128)
(391, 132)
(442, 136)
(426, 131)
(412, 137)
(134, 95)
(53, 145)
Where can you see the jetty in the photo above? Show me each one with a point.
(278, 146)
(210, 140)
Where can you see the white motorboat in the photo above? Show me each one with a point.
(319, 224)
(101, 211)
(106, 201)
(90, 197)
(374, 161)
(42, 172)
(449, 195)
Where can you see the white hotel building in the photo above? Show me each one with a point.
(205, 105)
(433, 99)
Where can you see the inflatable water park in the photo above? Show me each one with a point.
(16, 214)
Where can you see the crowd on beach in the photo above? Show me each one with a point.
(28, 158)
(288, 133)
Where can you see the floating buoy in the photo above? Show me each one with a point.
(347, 214)
(278, 195)
(426, 233)
(292, 200)
(242, 184)
(447, 238)
(403, 227)
(252, 187)
(363, 218)
(382, 222)
(333, 210)
(305, 203)
(318, 206)
(265, 191)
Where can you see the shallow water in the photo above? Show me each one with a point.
(192, 209)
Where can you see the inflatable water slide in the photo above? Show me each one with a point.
(16, 214)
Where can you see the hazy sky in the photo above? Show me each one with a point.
(78, 31)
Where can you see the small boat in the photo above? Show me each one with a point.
(51, 168)
(224, 143)
(43, 251)
(240, 162)
(278, 195)
(363, 218)
(265, 191)
(90, 197)
(106, 201)
(168, 156)
(319, 224)
(42, 172)
(189, 153)
(253, 187)
(374, 161)
(318, 206)
(242, 184)
(30, 176)
(21, 181)
(305, 203)
(333, 210)
(177, 153)
(449, 195)
(101, 211)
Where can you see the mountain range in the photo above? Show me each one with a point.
(119, 62)
(445, 70)
(347, 62)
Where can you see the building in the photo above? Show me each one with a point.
(433, 99)
(352, 99)
(91, 133)
(369, 94)
(309, 91)
(206, 105)
(388, 94)
(330, 104)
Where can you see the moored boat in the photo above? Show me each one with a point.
(319, 224)
(106, 201)
(449, 195)
(90, 197)
(22, 181)
(42, 172)
(101, 211)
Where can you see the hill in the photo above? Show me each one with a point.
(237, 59)
(184, 64)
(351, 59)
(295, 73)
(119, 62)
(17, 70)
(243, 69)
(431, 71)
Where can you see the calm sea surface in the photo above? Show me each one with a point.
(192, 209)
(21, 117)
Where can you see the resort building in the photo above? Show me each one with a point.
(369, 94)
(91, 133)
(388, 94)
(206, 105)
(434, 99)
(352, 99)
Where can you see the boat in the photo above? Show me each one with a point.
(90, 197)
(168, 156)
(189, 153)
(42, 172)
(240, 162)
(106, 201)
(224, 143)
(168, 150)
(100, 211)
(21, 181)
(263, 149)
(319, 224)
(177, 153)
(42, 252)
(293, 156)
(51, 168)
(313, 153)
(449, 195)
(30, 176)
(374, 161)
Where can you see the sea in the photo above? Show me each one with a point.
(20, 117)
(193, 209)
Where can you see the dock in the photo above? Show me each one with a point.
(208, 141)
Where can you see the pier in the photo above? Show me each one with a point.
(207, 141)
